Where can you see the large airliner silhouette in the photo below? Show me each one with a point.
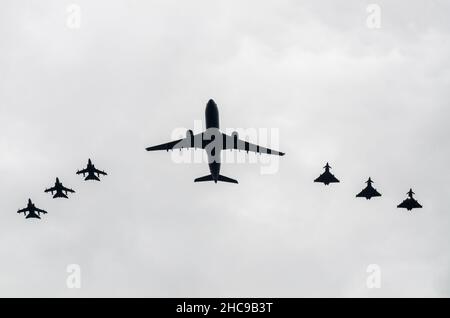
(213, 141)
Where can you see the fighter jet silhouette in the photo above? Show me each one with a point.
(32, 209)
(61, 191)
(92, 172)
(409, 203)
(369, 191)
(327, 177)
(213, 141)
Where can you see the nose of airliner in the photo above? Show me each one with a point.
(211, 107)
(212, 115)
(211, 102)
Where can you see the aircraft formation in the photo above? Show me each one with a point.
(31, 211)
(369, 191)
(213, 141)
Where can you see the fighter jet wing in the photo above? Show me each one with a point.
(67, 190)
(84, 171)
(368, 192)
(41, 211)
(404, 205)
(327, 178)
(417, 204)
(53, 189)
(22, 210)
(333, 178)
(194, 141)
(231, 142)
(319, 179)
(409, 204)
(100, 172)
(364, 193)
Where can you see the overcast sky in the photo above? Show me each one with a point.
(372, 102)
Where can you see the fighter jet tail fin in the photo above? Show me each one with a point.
(226, 179)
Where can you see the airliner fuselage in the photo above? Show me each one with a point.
(212, 126)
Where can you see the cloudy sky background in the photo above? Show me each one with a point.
(372, 102)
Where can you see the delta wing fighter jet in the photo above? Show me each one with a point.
(409, 203)
(368, 192)
(327, 177)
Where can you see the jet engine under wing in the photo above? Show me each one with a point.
(232, 142)
(191, 141)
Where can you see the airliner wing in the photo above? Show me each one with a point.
(231, 142)
(195, 141)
